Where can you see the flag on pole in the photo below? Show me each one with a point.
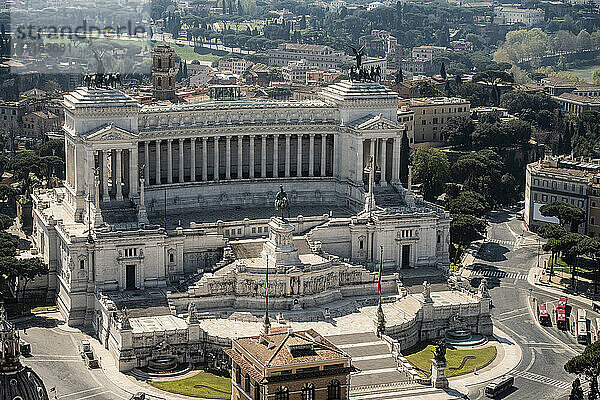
(267, 283)
(379, 279)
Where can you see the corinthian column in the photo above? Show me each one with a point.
(275, 156)
(181, 160)
(216, 161)
(299, 160)
(134, 170)
(204, 159)
(311, 155)
(287, 156)
(240, 164)
(105, 194)
(382, 157)
(263, 155)
(157, 169)
(193, 159)
(228, 157)
(170, 161)
(323, 153)
(360, 168)
(251, 153)
(146, 162)
(117, 181)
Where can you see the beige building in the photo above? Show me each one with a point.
(431, 115)
(288, 365)
(236, 66)
(513, 15)
(559, 179)
(594, 209)
(427, 53)
(39, 123)
(323, 57)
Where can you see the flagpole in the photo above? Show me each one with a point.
(267, 322)
(380, 315)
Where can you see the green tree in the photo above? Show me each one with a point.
(404, 158)
(5, 221)
(552, 233)
(27, 270)
(464, 229)
(590, 246)
(458, 131)
(587, 364)
(427, 89)
(571, 249)
(566, 213)
(443, 71)
(493, 79)
(517, 131)
(480, 172)
(432, 169)
(469, 203)
(596, 76)
(576, 390)
(8, 244)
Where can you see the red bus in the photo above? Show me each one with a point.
(562, 303)
(561, 318)
(543, 315)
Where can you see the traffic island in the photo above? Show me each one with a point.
(459, 361)
(203, 385)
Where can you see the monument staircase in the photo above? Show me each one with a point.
(388, 196)
(120, 214)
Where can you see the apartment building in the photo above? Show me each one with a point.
(427, 53)
(431, 115)
(319, 56)
(288, 365)
(562, 179)
(594, 208)
(236, 66)
(513, 15)
(38, 123)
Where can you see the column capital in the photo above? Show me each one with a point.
(193, 139)
(312, 134)
(170, 140)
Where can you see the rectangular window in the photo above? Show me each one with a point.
(544, 198)
(552, 199)
(535, 196)
(580, 204)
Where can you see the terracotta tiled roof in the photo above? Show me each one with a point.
(280, 349)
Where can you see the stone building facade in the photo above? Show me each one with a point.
(106, 228)
(288, 365)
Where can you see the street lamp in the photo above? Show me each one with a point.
(538, 252)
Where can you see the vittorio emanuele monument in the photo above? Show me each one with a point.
(162, 234)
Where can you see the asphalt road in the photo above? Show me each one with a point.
(54, 357)
(505, 260)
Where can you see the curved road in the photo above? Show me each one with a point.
(505, 259)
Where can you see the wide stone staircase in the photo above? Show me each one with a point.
(378, 375)
(388, 196)
(120, 214)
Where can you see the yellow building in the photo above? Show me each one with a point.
(432, 115)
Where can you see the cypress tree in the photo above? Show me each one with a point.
(443, 71)
(404, 157)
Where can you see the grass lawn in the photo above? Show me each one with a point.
(187, 53)
(420, 357)
(203, 384)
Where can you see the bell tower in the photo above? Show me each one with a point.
(163, 72)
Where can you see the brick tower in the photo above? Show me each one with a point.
(163, 72)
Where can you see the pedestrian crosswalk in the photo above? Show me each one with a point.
(505, 242)
(542, 379)
(501, 274)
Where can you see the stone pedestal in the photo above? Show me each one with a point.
(280, 249)
(438, 374)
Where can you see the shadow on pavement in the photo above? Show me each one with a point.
(492, 252)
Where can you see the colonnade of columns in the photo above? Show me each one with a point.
(386, 157)
(215, 158)
(117, 172)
